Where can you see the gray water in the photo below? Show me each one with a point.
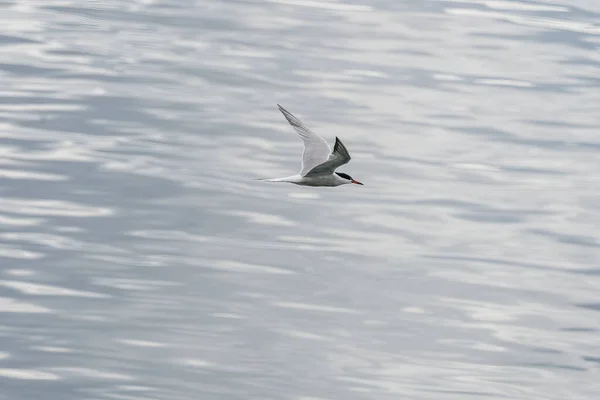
(140, 260)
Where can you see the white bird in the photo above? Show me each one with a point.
(318, 161)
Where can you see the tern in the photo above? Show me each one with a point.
(318, 161)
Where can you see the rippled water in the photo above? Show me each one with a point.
(140, 260)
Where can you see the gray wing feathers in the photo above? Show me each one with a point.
(316, 149)
(338, 157)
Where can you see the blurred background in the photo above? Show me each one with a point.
(140, 260)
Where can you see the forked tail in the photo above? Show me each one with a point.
(286, 179)
(270, 179)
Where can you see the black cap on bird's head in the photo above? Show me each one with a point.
(348, 177)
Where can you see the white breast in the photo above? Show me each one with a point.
(322, 180)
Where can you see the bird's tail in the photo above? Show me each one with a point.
(268, 179)
(286, 179)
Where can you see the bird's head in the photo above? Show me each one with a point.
(348, 178)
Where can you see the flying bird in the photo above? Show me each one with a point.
(318, 161)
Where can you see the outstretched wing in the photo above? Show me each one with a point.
(338, 157)
(316, 149)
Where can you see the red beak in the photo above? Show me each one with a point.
(357, 182)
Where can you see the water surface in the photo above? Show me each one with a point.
(140, 260)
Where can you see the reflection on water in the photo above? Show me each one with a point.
(140, 260)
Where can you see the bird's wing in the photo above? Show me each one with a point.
(338, 157)
(316, 149)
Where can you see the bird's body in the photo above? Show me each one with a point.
(319, 162)
(319, 180)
